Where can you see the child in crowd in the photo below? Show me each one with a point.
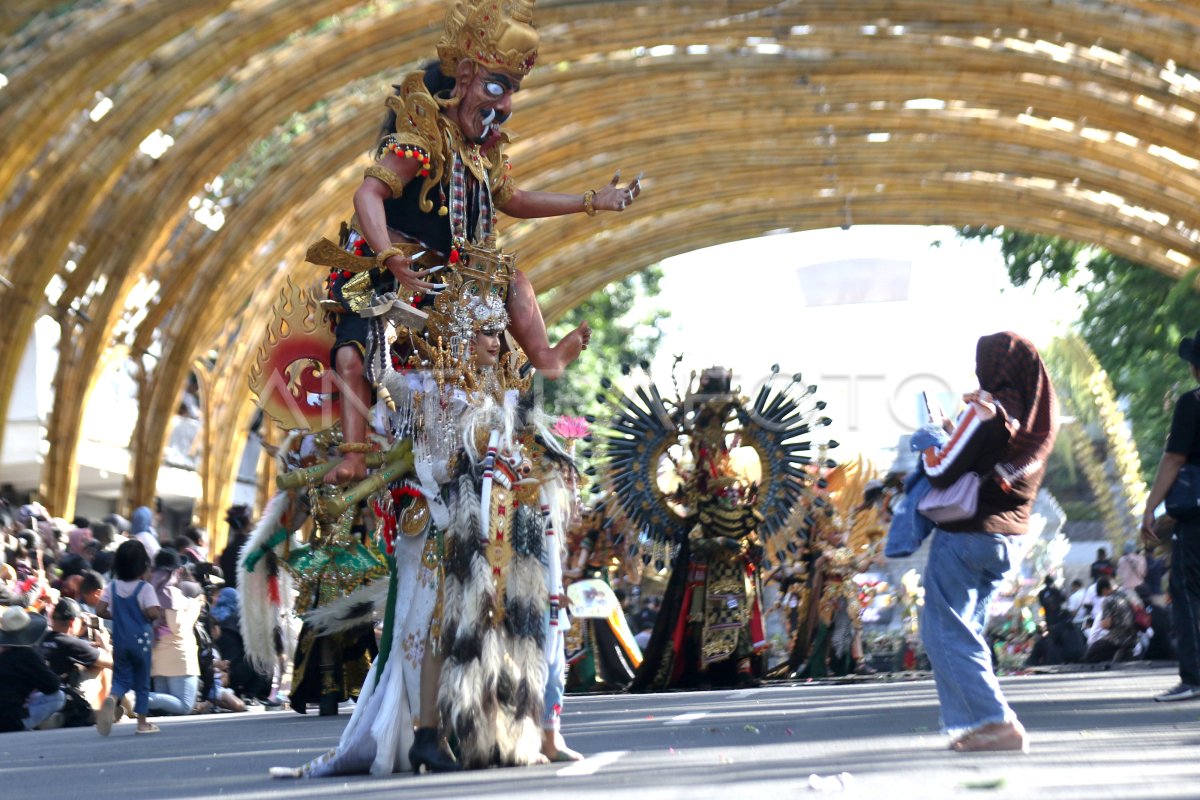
(133, 606)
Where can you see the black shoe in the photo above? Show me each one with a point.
(329, 705)
(427, 755)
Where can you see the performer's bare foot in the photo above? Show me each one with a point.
(554, 747)
(352, 469)
(567, 350)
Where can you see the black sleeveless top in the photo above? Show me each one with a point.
(431, 229)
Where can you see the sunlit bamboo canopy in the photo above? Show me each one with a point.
(165, 163)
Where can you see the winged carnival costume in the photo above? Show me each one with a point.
(679, 471)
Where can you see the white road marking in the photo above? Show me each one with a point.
(741, 693)
(592, 765)
(684, 719)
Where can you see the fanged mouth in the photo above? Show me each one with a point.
(489, 125)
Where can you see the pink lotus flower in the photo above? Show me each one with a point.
(571, 428)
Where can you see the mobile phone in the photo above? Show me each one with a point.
(930, 416)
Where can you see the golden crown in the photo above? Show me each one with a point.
(495, 33)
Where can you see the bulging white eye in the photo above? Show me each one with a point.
(493, 88)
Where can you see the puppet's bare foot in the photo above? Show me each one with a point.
(352, 469)
(569, 348)
(554, 747)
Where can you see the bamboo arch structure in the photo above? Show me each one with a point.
(1074, 118)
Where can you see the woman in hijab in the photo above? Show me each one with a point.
(140, 529)
(175, 659)
(1005, 435)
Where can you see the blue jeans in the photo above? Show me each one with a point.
(962, 575)
(41, 706)
(131, 671)
(556, 681)
(175, 695)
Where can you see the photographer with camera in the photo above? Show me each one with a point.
(76, 650)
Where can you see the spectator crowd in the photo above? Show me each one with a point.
(1120, 614)
(102, 620)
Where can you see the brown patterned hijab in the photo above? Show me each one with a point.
(1010, 368)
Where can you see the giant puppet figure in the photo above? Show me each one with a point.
(430, 200)
(461, 483)
(682, 471)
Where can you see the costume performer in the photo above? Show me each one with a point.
(468, 493)
(601, 651)
(845, 543)
(718, 525)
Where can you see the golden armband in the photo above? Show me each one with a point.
(382, 173)
(504, 191)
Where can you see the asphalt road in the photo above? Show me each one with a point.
(1094, 735)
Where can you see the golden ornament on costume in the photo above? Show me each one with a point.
(291, 378)
(498, 34)
(414, 519)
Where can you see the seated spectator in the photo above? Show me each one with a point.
(30, 697)
(26, 553)
(648, 614)
(197, 549)
(91, 586)
(175, 663)
(10, 593)
(74, 658)
(1085, 611)
(91, 549)
(143, 531)
(243, 679)
(1115, 631)
(118, 524)
(69, 587)
(1061, 641)
(77, 539)
(222, 696)
(1160, 644)
(105, 537)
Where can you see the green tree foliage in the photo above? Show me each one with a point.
(622, 335)
(1132, 318)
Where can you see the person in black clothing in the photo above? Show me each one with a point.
(1064, 642)
(1102, 567)
(1183, 447)
(238, 518)
(66, 653)
(30, 696)
(75, 658)
(1051, 598)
